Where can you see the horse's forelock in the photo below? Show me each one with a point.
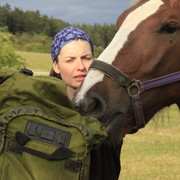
(173, 2)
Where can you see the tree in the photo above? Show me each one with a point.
(4, 15)
(34, 32)
(8, 58)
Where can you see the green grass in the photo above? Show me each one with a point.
(154, 152)
(151, 154)
(37, 62)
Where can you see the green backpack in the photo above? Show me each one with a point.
(41, 136)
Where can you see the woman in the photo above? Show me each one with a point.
(72, 54)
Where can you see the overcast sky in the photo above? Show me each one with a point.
(75, 11)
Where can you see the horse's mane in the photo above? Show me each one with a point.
(172, 2)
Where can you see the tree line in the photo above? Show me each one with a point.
(25, 24)
(33, 32)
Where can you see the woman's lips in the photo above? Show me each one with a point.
(80, 78)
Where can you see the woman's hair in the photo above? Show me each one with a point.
(54, 74)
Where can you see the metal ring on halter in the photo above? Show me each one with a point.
(136, 86)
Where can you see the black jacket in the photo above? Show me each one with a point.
(105, 162)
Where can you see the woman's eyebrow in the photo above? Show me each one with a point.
(70, 57)
(86, 55)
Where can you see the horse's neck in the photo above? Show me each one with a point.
(166, 96)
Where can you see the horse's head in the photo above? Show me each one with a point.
(146, 46)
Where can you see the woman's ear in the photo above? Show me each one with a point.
(56, 67)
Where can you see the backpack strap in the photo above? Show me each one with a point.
(60, 154)
(4, 79)
(27, 72)
(23, 71)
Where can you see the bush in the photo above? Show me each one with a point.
(33, 42)
(8, 57)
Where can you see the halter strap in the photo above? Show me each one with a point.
(124, 80)
(160, 81)
(112, 72)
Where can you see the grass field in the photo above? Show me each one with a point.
(154, 152)
(151, 154)
(37, 62)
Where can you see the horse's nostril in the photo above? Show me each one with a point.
(92, 107)
(96, 107)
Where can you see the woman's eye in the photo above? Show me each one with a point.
(169, 28)
(88, 58)
(69, 60)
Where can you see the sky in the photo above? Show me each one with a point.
(74, 11)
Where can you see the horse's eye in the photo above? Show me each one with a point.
(169, 28)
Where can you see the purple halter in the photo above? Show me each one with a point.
(143, 86)
(124, 80)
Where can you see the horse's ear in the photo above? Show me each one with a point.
(173, 3)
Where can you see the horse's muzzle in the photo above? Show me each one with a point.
(91, 106)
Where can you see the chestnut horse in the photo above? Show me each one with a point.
(139, 72)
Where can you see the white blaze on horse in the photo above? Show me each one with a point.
(139, 72)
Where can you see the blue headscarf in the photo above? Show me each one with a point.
(65, 36)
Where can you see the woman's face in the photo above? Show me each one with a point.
(73, 63)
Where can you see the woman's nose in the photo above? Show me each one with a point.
(80, 65)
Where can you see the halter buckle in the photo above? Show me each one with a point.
(134, 88)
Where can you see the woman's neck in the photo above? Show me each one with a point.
(70, 92)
